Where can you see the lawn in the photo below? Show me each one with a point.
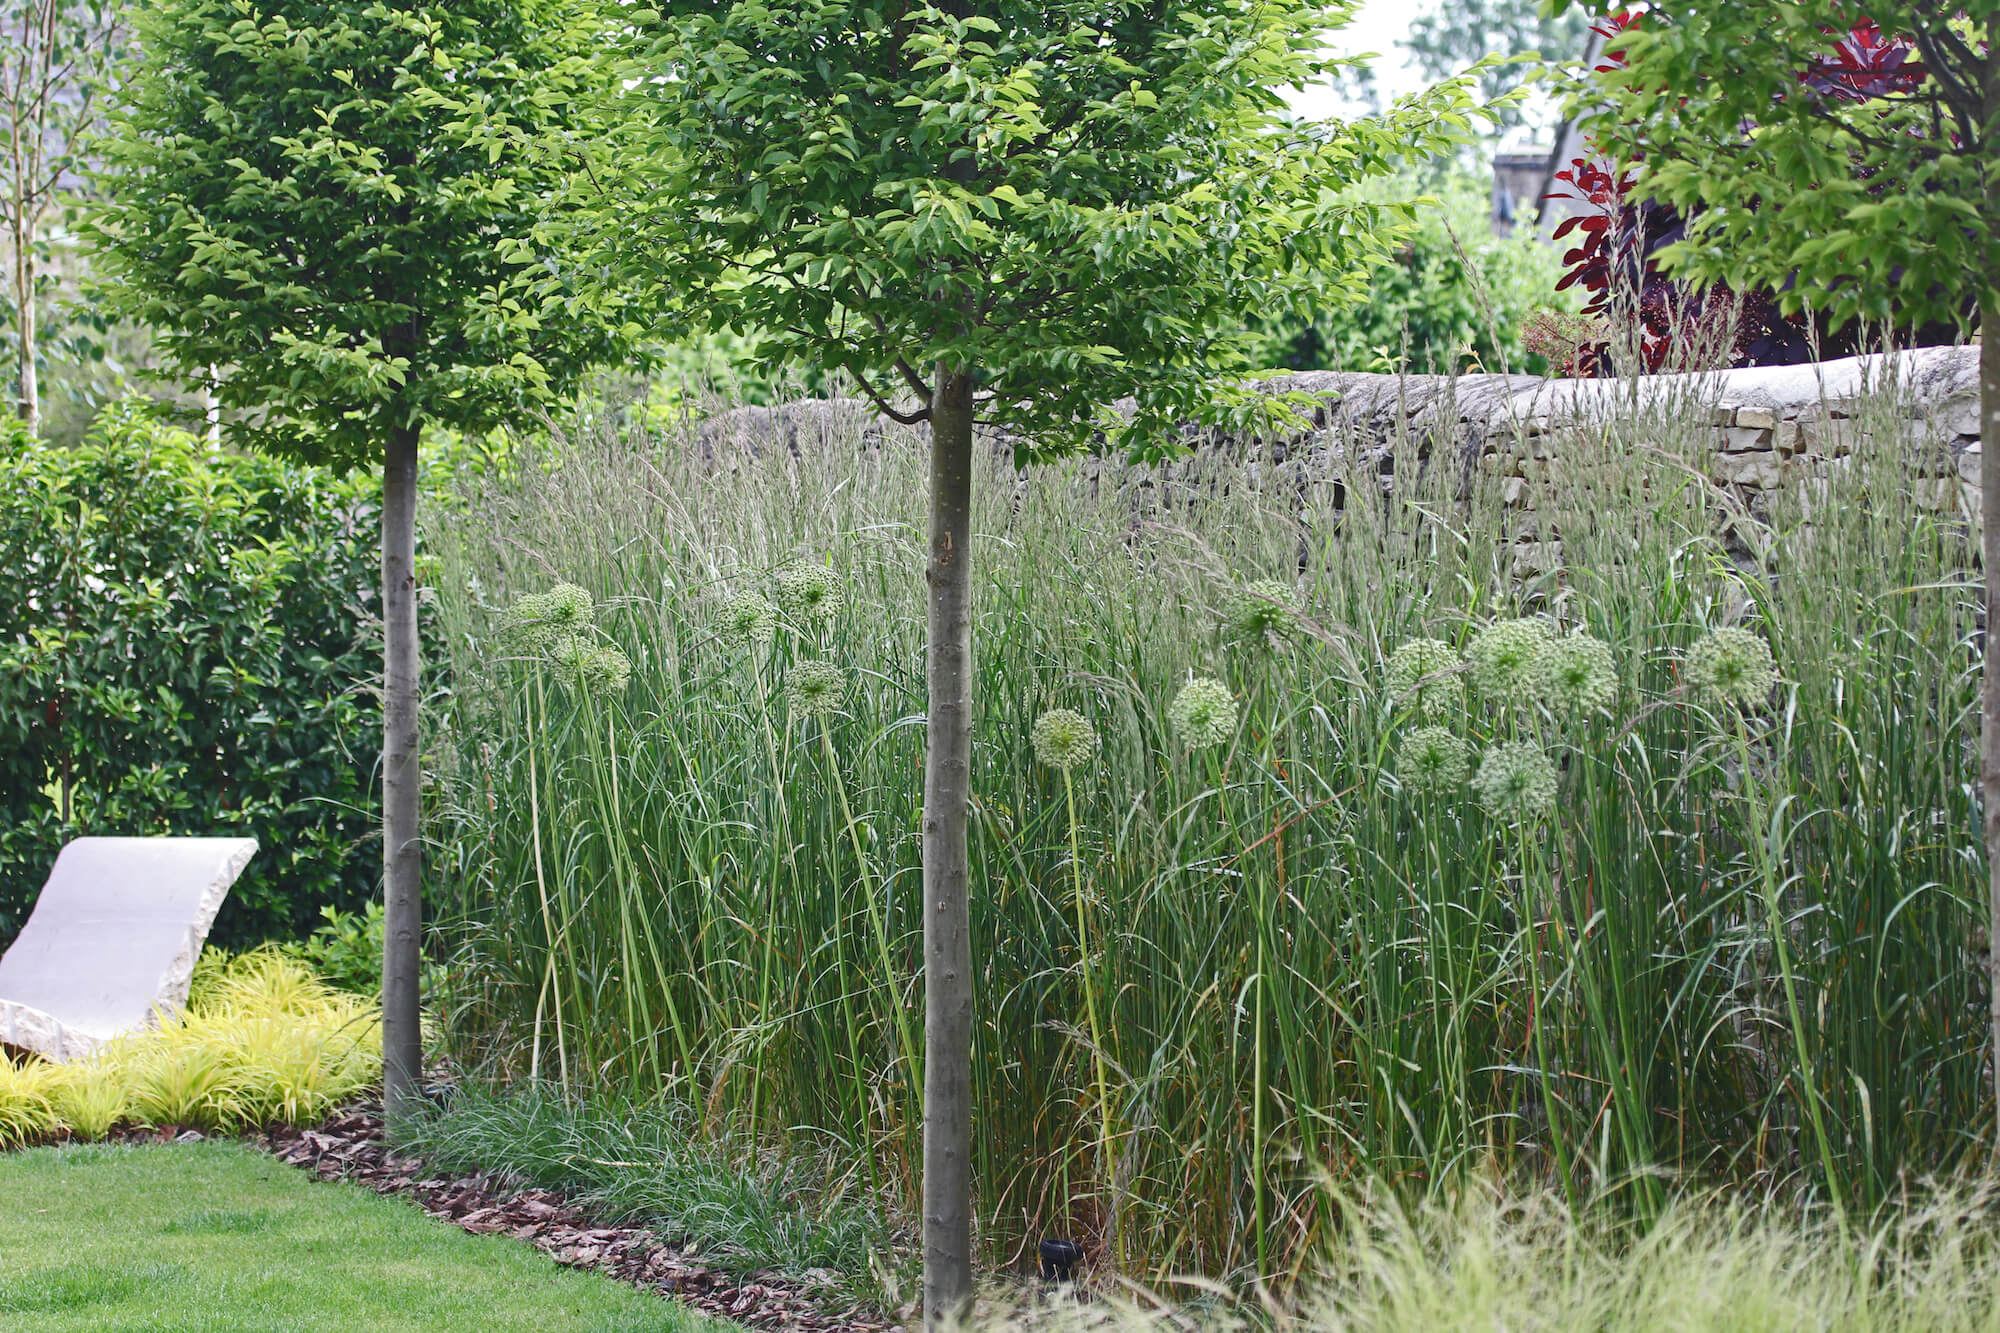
(216, 1236)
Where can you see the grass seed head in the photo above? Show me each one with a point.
(1202, 714)
(1063, 738)
(1516, 782)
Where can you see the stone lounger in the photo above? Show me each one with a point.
(111, 943)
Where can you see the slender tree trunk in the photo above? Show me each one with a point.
(402, 1047)
(28, 406)
(947, 910)
(1989, 509)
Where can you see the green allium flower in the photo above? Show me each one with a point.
(814, 688)
(590, 666)
(1063, 738)
(748, 620)
(810, 594)
(1516, 781)
(1432, 759)
(1202, 714)
(1505, 657)
(1266, 612)
(1732, 667)
(1576, 674)
(1423, 675)
(537, 620)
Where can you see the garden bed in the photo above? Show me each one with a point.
(351, 1146)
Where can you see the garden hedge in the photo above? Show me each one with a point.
(189, 641)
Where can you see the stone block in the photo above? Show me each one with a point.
(112, 939)
(1746, 439)
(1756, 418)
(1763, 470)
(1959, 416)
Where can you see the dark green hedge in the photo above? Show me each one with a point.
(188, 644)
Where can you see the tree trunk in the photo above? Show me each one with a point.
(1989, 509)
(947, 910)
(28, 406)
(402, 1046)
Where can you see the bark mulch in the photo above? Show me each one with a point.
(350, 1146)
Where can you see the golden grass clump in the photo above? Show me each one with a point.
(264, 1041)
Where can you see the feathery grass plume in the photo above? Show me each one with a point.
(810, 594)
(1505, 657)
(1266, 613)
(1576, 674)
(1423, 676)
(538, 619)
(589, 666)
(1732, 667)
(1516, 781)
(1063, 738)
(1202, 714)
(747, 620)
(813, 688)
(1433, 759)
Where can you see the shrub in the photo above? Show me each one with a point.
(186, 641)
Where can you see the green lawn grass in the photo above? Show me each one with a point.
(217, 1236)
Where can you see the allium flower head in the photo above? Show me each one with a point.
(1577, 674)
(538, 619)
(1063, 738)
(810, 594)
(1432, 759)
(1516, 781)
(813, 688)
(748, 619)
(1202, 714)
(1504, 658)
(1265, 612)
(590, 666)
(1423, 675)
(1732, 667)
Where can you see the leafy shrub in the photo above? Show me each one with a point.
(265, 1042)
(1456, 297)
(186, 640)
(1619, 235)
(345, 949)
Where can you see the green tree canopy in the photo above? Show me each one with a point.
(1079, 199)
(333, 208)
(331, 211)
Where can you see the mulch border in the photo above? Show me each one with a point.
(350, 1146)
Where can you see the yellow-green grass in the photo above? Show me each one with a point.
(217, 1236)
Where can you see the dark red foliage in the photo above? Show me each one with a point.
(1613, 257)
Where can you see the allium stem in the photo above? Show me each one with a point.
(1107, 1144)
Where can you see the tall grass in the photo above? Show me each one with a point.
(1745, 948)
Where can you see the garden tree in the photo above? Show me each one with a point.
(56, 59)
(1453, 34)
(1852, 169)
(337, 202)
(1010, 213)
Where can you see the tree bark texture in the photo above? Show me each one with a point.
(947, 1227)
(28, 405)
(1989, 509)
(402, 848)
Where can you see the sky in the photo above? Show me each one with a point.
(1378, 25)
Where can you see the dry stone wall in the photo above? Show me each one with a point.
(1770, 426)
